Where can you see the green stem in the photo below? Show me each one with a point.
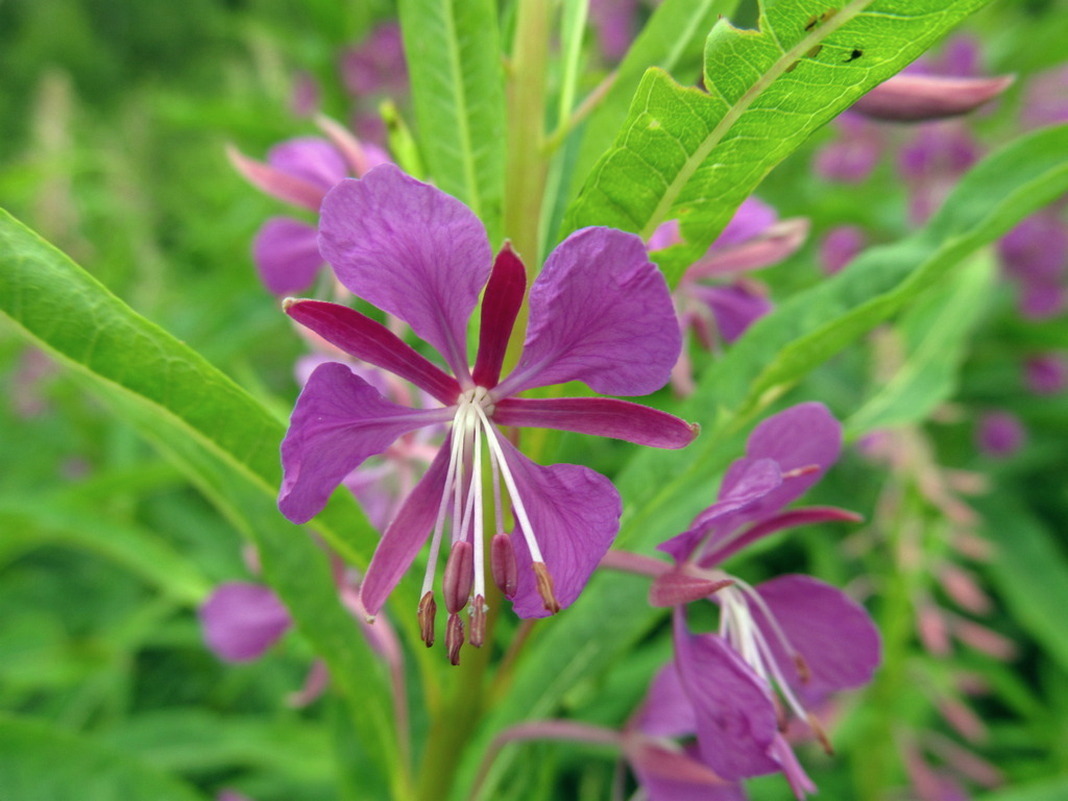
(527, 166)
(527, 161)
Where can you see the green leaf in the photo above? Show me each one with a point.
(670, 40)
(1053, 789)
(66, 311)
(225, 442)
(663, 490)
(1030, 572)
(46, 520)
(454, 61)
(39, 763)
(694, 156)
(933, 334)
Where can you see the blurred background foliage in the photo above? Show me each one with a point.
(113, 122)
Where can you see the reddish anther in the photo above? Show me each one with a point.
(503, 566)
(459, 576)
(545, 587)
(454, 638)
(478, 621)
(428, 610)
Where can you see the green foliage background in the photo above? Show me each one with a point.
(114, 120)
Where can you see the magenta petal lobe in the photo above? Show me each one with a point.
(833, 633)
(406, 534)
(286, 252)
(735, 713)
(339, 420)
(601, 313)
(575, 516)
(412, 251)
(242, 620)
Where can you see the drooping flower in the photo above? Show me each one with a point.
(1046, 373)
(600, 312)
(715, 299)
(242, 620)
(782, 646)
(300, 171)
(1000, 434)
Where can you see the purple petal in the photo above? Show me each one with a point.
(771, 525)
(372, 342)
(839, 247)
(575, 516)
(286, 252)
(1000, 434)
(799, 781)
(734, 307)
(665, 235)
(944, 149)
(406, 534)
(735, 712)
(275, 182)
(242, 620)
(410, 250)
(1046, 102)
(669, 775)
(667, 710)
(600, 312)
(1046, 374)
(751, 480)
(802, 436)
(684, 585)
(750, 220)
(601, 417)
(1042, 301)
(915, 98)
(1036, 250)
(852, 157)
(311, 159)
(769, 247)
(833, 634)
(500, 307)
(339, 420)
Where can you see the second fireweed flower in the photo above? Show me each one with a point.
(600, 312)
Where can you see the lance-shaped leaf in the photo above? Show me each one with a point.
(691, 155)
(454, 60)
(224, 441)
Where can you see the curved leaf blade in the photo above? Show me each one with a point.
(694, 156)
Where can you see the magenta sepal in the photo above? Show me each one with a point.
(602, 417)
(369, 340)
(500, 306)
(406, 534)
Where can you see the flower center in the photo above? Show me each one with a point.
(462, 511)
(752, 640)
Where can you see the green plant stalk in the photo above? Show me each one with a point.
(876, 753)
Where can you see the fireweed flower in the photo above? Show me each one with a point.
(714, 300)
(782, 646)
(600, 312)
(300, 171)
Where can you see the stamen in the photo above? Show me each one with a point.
(439, 524)
(454, 638)
(503, 566)
(509, 481)
(821, 734)
(428, 610)
(457, 579)
(478, 621)
(545, 587)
